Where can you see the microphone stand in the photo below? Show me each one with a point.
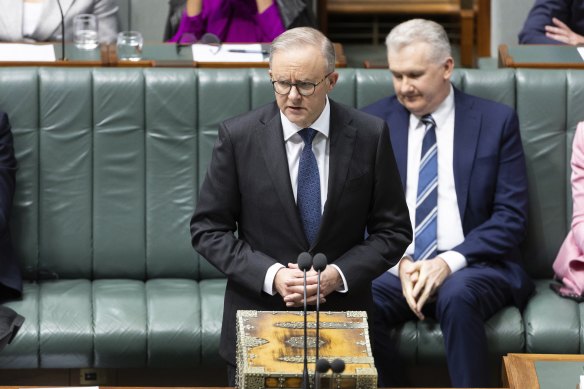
(305, 377)
(337, 366)
(319, 264)
(322, 366)
(305, 263)
(62, 31)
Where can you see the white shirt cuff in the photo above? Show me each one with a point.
(395, 268)
(345, 288)
(454, 260)
(269, 279)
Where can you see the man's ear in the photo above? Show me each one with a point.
(448, 68)
(333, 78)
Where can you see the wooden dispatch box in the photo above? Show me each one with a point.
(270, 349)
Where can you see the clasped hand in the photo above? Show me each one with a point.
(289, 283)
(420, 281)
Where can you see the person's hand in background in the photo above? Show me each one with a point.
(562, 33)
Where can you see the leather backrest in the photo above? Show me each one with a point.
(111, 159)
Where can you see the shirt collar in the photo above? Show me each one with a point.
(321, 124)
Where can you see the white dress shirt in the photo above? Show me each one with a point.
(321, 149)
(449, 233)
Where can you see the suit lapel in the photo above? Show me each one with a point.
(342, 142)
(467, 127)
(271, 141)
(399, 126)
(52, 22)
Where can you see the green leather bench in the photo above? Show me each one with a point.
(110, 161)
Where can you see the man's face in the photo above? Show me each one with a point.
(305, 64)
(420, 85)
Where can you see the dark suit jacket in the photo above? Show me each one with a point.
(490, 180)
(247, 189)
(570, 12)
(10, 278)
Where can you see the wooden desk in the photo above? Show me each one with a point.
(520, 370)
(166, 55)
(540, 57)
(154, 55)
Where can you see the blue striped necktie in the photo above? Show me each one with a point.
(427, 196)
(308, 194)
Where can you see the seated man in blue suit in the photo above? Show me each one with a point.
(554, 22)
(462, 167)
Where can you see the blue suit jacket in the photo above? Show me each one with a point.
(10, 278)
(568, 11)
(490, 180)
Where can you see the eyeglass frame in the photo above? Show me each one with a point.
(295, 84)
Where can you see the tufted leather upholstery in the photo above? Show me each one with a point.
(110, 161)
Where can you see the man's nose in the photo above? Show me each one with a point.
(405, 85)
(294, 94)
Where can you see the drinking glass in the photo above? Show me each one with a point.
(129, 46)
(85, 31)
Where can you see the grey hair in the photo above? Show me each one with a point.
(302, 37)
(421, 30)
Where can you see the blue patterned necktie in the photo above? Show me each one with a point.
(308, 194)
(427, 196)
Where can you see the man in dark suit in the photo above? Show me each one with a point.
(10, 278)
(462, 166)
(283, 198)
(554, 22)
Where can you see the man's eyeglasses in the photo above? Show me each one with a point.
(188, 39)
(305, 88)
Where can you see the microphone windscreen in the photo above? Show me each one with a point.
(322, 365)
(338, 366)
(304, 261)
(319, 262)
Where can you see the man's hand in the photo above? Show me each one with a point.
(432, 273)
(420, 280)
(330, 281)
(408, 275)
(562, 33)
(289, 283)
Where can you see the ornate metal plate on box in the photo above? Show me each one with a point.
(270, 349)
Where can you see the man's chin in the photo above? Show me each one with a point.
(414, 108)
(298, 119)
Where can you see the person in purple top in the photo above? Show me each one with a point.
(554, 22)
(242, 21)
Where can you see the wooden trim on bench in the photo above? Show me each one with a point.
(391, 8)
(484, 28)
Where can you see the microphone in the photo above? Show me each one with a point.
(305, 263)
(322, 366)
(62, 31)
(337, 366)
(319, 264)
